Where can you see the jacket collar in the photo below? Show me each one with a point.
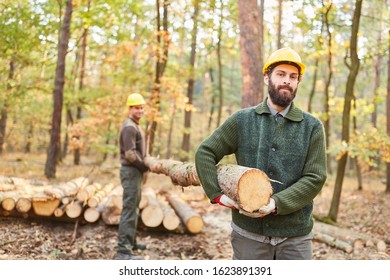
(295, 114)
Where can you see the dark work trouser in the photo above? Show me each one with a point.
(293, 248)
(131, 179)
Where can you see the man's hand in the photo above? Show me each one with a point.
(224, 200)
(263, 211)
(269, 208)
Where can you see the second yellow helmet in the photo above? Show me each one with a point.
(135, 99)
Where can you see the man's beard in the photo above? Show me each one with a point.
(278, 98)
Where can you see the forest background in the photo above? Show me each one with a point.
(67, 68)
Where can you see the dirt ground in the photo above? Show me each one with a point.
(364, 211)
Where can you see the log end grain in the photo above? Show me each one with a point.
(23, 205)
(8, 203)
(45, 207)
(254, 190)
(91, 215)
(171, 222)
(152, 216)
(195, 224)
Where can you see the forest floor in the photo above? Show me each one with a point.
(365, 211)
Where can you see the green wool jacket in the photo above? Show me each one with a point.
(290, 150)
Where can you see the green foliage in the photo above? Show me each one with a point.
(121, 58)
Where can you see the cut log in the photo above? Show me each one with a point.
(112, 206)
(171, 220)
(143, 202)
(249, 187)
(152, 215)
(99, 196)
(60, 211)
(67, 189)
(192, 220)
(332, 241)
(349, 235)
(88, 191)
(44, 205)
(74, 209)
(91, 215)
(8, 203)
(7, 187)
(23, 204)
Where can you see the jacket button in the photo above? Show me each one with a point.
(273, 149)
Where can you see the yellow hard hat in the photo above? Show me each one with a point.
(284, 55)
(135, 99)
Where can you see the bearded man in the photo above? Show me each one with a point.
(285, 142)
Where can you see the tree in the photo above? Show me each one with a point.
(163, 41)
(328, 81)
(185, 147)
(280, 15)
(388, 115)
(349, 94)
(249, 22)
(54, 148)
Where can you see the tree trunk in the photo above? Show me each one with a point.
(219, 58)
(163, 42)
(327, 85)
(261, 46)
(185, 147)
(359, 175)
(279, 32)
(213, 98)
(249, 22)
(76, 154)
(388, 116)
(249, 187)
(4, 110)
(54, 148)
(192, 220)
(349, 92)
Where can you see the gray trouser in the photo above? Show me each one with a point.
(131, 179)
(293, 248)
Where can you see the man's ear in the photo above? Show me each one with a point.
(266, 79)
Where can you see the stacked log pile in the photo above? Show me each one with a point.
(82, 199)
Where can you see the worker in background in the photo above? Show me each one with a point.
(132, 154)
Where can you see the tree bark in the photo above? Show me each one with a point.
(280, 16)
(219, 58)
(249, 187)
(349, 93)
(185, 147)
(249, 22)
(192, 220)
(152, 215)
(85, 193)
(99, 196)
(388, 116)
(54, 148)
(328, 83)
(163, 42)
